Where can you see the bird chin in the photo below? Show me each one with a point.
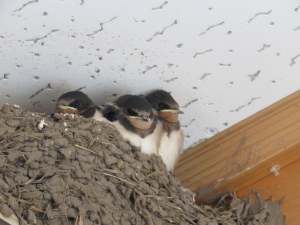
(168, 116)
(140, 124)
(67, 110)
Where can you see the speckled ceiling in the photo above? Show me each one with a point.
(221, 60)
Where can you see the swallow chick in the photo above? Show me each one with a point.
(171, 142)
(133, 117)
(76, 102)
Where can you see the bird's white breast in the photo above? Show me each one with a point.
(98, 116)
(150, 144)
(133, 138)
(171, 147)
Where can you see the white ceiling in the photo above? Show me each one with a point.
(221, 60)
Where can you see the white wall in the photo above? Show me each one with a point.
(115, 47)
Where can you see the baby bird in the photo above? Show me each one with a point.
(76, 102)
(171, 142)
(133, 117)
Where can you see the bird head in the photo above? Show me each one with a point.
(73, 102)
(136, 110)
(164, 105)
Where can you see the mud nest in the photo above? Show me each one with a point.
(73, 170)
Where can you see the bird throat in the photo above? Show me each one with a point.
(168, 116)
(140, 124)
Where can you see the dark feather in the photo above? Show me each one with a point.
(90, 112)
(111, 113)
(161, 96)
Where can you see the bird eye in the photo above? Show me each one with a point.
(162, 106)
(76, 104)
(131, 112)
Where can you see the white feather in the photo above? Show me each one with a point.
(171, 147)
(150, 144)
(133, 138)
(98, 116)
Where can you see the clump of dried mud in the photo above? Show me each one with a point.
(73, 170)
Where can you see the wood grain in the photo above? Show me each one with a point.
(287, 185)
(241, 157)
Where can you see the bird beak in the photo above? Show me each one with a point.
(64, 107)
(172, 111)
(145, 118)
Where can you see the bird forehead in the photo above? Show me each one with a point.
(143, 112)
(168, 99)
(73, 94)
(173, 104)
(161, 96)
(170, 102)
(64, 102)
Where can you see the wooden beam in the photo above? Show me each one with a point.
(244, 153)
(286, 185)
